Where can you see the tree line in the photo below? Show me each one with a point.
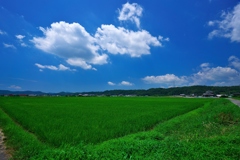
(187, 90)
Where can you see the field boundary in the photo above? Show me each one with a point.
(235, 101)
(19, 125)
(174, 120)
(4, 155)
(16, 139)
(180, 115)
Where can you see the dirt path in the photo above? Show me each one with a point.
(3, 154)
(235, 101)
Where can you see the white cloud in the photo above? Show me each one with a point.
(20, 37)
(204, 65)
(211, 23)
(160, 38)
(235, 62)
(9, 46)
(23, 44)
(15, 87)
(123, 41)
(2, 32)
(123, 83)
(228, 27)
(215, 74)
(80, 63)
(131, 12)
(207, 75)
(168, 79)
(61, 67)
(71, 42)
(111, 83)
(46, 66)
(126, 83)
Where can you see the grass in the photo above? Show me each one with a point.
(121, 128)
(238, 98)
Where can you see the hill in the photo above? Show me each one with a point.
(187, 90)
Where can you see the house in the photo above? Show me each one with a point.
(182, 95)
(208, 94)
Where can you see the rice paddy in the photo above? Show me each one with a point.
(82, 127)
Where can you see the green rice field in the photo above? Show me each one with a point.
(119, 127)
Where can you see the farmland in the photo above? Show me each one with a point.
(119, 127)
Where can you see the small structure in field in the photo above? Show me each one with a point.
(208, 94)
(182, 95)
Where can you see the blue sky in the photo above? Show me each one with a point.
(92, 45)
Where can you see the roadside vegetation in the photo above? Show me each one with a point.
(238, 98)
(120, 128)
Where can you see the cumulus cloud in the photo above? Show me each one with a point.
(235, 62)
(79, 63)
(123, 41)
(71, 42)
(168, 79)
(216, 75)
(9, 46)
(126, 83)
(207, 75)
(211, 23)
(204, 65)
(23, 44)
(20, 38)
(61, 67)
(111, 83)
(162, 39)
(123, 83)
(15, 87)
(131, 12)
(228, 26)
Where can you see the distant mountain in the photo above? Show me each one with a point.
(6, 92)
(188, 90)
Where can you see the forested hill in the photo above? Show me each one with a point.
(196, 90)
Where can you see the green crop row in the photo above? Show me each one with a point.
(121, 128)
(62, 120)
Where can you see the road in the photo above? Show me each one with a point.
(235, 101)
(3, 155)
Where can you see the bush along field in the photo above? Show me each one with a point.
(120, 128)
